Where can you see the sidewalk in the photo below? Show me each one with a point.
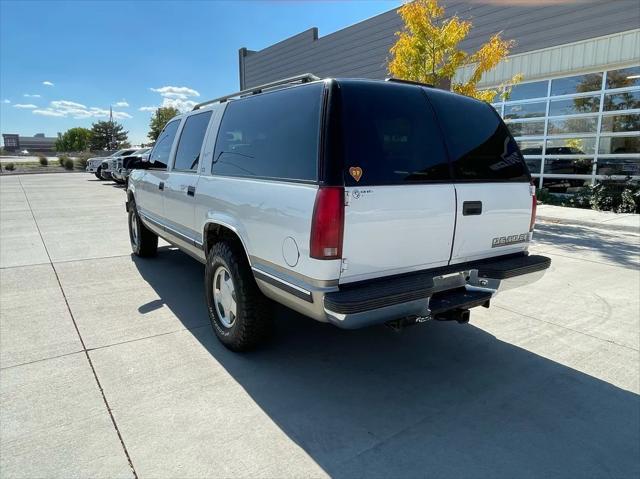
(600, 219)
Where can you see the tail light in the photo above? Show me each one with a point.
(327, 225)
(534, 206)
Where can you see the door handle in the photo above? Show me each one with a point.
(161, 186)
(471, 208)
(191, 191)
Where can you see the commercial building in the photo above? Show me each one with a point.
(576, 115)
(37, 143)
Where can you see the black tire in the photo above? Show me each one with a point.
(253, 323)
(145, 244)
(98, 173)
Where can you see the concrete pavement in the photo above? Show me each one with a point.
(109, 367)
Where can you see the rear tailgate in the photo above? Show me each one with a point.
(494, 198)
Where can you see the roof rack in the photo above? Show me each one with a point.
(410, 82)
(304, 78)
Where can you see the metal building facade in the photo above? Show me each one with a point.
(576, 116)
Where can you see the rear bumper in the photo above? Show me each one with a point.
(429, 294)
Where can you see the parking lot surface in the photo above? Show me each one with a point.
(109, 367)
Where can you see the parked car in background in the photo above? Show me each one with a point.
(126, 163)
(94, 165)
(353, 202)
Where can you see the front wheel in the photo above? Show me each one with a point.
(98, 173)
(144, 242)
(240, 314)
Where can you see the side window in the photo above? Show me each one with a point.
(159, 158)
(190, 143)
(271, 135)
(479, 143)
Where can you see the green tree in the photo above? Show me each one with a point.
(428, 51)
(75, 139)
(159, 119)
(108, 135)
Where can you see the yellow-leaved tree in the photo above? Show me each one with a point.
(427, 51)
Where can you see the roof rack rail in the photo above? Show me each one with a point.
(304, 78)
(410, 82)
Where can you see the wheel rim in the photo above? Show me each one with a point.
(135, 232)
(224, 296)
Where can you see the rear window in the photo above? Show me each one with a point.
(271, 135)
(479, 143)
(390, 135)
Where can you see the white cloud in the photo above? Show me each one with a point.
(47, 83)
(148, 108)
(47, 113)
(72, 109)
(6, 101)
(27, 95)
(180, 104)
(121, 104)
(25, 106)
(179, 92)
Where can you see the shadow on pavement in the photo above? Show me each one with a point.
(438, 399)
(574, 238)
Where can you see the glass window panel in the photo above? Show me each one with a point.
(615, 123)
(573, 125)
(619, 144)
(622, 101)
(533, 165)
(531, 147)
(619, 166)
(564, 185)
(571, 146)
(524, 91)
(569, 166)
(574, 106)
(190, 143)
(623, 78)
(528, 128)
(524, 110)
(576, 84)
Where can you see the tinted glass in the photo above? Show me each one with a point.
(271, 135)
(190, 143)
(569, 166)
(479, 143)
(390, 132)
(574, 106)
(619, 166)
(623, 78)
(622, 101)
(531, 147)
(571, 146)
(525, 110)
(619, 144)
(615, 123)
(533, 165)
(529, 128)
(576, 84)
(573, 125)
(524, 91)
(160, 154)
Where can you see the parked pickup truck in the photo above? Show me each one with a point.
(94, 165)
(353, 202)
(122, 165)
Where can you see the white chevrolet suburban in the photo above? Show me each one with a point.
(353, 202)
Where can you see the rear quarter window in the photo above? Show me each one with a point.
(480, 145)
(271, 135)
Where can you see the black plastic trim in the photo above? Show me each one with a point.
(283, 286)
(457, 299)
(513, 266)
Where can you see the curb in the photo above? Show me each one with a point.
(592, 224)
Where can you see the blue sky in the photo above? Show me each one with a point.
(62, 64)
